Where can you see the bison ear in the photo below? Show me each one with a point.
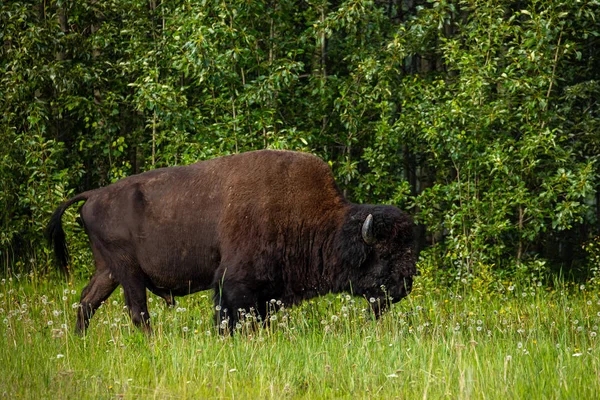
(367, 230)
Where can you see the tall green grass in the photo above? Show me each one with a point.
(519, 342)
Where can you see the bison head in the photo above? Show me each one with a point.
(384, 246)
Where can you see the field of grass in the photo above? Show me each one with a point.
(533, 342)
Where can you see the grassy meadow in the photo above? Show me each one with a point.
(533, 342)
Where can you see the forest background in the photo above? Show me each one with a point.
(481, 118)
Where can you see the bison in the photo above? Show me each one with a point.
(254, 226)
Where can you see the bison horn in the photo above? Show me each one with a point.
(367, 230)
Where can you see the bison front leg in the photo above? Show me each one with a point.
(378, 305)
(232, 301)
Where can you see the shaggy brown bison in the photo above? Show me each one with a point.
(255, 226)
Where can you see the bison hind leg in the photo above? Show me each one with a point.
(98, 290)
(136, 300)
(127, 272)
(166, 295)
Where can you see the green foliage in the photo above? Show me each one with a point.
(593, 249)
(481, 117)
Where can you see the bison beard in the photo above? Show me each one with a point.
(255, 226)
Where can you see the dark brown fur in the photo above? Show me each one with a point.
(255, 226)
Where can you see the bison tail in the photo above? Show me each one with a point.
(56, 235)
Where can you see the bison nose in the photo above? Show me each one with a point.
(408, 282)
(406, 287)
